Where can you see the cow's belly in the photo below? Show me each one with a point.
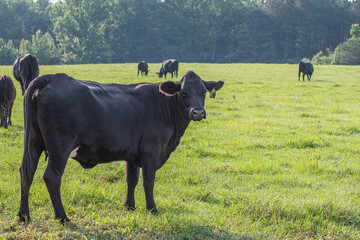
(89, 156)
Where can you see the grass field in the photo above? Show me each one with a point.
(275, 159)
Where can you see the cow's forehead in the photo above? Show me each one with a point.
(192, 81)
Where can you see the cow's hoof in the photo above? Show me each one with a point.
(130, 207)
(154, 211)
(63, 221)
(25, 218)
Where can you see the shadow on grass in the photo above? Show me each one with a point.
(176, 230)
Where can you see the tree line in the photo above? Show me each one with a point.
(215, 31)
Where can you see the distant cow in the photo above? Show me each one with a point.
(305, 68)
(143, 68)
(169, 66)
(25, 69)
(97, 123)
(7, 98)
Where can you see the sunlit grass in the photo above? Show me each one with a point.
(275, 159)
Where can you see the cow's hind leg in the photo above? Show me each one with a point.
(132, 178)
(22, 87)
(10, 110)
(32, 152)
(5, 116)
(2, 113)
(52, 176)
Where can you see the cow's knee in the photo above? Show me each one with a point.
(51, 178)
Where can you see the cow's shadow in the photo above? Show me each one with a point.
(187, 230)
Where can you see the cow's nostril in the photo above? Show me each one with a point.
(198, 114)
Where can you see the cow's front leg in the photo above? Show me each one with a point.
(132, 178)
(149, 164)
(148, 183)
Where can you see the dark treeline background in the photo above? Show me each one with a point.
(94, 31)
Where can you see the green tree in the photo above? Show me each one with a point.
(10, 25)
(355, 31)
(79, 28)
(42, 46)
(8, 52)
(31, 15)
(348, 52)
(323, 58)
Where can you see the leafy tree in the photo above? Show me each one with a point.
(323, 58)
(355, 31)
(11, 27)
(348, 52)
(254, 38)
(42, 46)
(80, 31)
(8, 52)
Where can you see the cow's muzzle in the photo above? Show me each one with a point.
(197, 114)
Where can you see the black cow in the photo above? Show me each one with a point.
(143, 68)
(305, 68)
(171, 66)
(99, 123)
(7, 98)
(25, 69)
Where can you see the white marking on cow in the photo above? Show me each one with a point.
(74, 152)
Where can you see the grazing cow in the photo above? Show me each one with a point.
(25, 69)
(7, 98)
(305, 68)
(97, 123)
(143, 68)
(171, 66)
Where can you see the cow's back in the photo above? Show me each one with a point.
(7, 90)
(110, 116)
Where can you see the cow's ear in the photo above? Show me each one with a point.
(169, 87)
(213, 86)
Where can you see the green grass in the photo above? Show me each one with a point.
(275, 159)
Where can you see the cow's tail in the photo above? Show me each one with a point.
(33, 140)
(299, 70)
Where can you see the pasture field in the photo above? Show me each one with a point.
(275, 159)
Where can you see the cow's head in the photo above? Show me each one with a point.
(160, 73)
(192, 90)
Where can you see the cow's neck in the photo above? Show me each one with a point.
(177, 118)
